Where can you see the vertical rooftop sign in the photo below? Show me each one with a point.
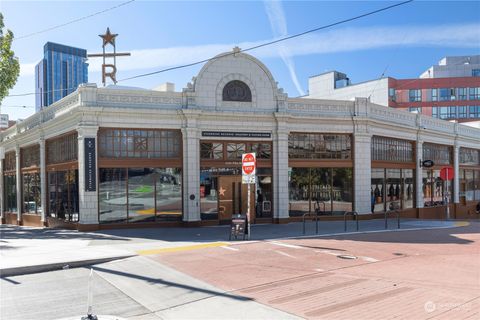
(109, 38)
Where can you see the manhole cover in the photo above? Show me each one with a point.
(346, 256)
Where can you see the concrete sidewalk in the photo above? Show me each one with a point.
(25, 250)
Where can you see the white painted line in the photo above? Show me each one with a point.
(285, 254)
(285, 245)
(368, 259)
(329, 252)
(319, 270)
(230, 248)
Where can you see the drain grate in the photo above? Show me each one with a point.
(346, 256)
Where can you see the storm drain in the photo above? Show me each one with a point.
(346, 256)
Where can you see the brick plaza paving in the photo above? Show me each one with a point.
(424, 274)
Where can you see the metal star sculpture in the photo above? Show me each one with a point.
(108, 37)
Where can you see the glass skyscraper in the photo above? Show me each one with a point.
(59, 73)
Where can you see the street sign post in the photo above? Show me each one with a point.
(249, 165)
(446, 174)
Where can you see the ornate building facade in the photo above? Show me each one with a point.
(110, 158)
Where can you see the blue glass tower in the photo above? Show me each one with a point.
(59, 73)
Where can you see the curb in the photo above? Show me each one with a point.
(18, 271)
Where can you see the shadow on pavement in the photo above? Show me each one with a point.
(428, 236)
(171, 284)
(16, 232)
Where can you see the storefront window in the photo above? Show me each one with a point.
(235, 151)
(63, 195)
(392, 188)
(376, 190)
(469, 185)
(62, 149)
(440, 154)
(31, 157)
(31, 193)
(299, 191)
(141, 195)
(168, 193)
(154, 194)
(434, 188)
(131, 143)
(112, 195)
(309, 189)
(477, 184)
(319, 146)
(10, 192)
(262, 150)
(211, 150)
(469, 156)
(342, 190)
(408, 191)
(389, 149)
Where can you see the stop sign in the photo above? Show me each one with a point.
(446, 173)
(248, 163)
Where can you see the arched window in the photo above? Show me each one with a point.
(237, 91)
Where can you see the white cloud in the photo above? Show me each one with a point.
(278, 24)
(331, 41)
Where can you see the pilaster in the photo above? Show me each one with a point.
(280, 170)
(19, 185)
(456, 173)
(362, 172)
(43, 179)
(419, 174)
(88, 200)
(191, 167)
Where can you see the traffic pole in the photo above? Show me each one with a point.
(248, 209)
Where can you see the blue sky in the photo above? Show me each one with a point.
(405, 40)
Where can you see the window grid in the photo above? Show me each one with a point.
(440, 154)
(131, 143)
(319, 146)
(469, 156)
(31, 156)
(63, 149)
(10, 161)
(389, 149)
(233, 151)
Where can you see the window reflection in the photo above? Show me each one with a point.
(63, 195)
(140, 194)
(310, 188)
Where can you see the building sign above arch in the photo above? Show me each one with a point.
(237, 90)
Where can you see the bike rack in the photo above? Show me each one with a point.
(355, 216)
(316, 221)
(398, 218)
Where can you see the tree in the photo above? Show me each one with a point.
(9, 65)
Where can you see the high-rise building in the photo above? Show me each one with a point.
(449, 90)
(59, 73)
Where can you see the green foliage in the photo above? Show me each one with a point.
(9, 65)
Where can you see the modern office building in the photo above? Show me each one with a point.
(449, 90)
(113, 158)
(59, 73)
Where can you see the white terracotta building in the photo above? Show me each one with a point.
(104, 158)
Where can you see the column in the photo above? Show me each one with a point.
(362, 173)
(19, 185)
(87, 175)
(280, 173)
(191, 174)
(456, 173)
(419, 174)
(43, 180)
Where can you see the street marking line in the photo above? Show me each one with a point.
(462, 224)
(285, 254)
(368, 259)
(183, 248)
(229, 248)
(277, 243)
